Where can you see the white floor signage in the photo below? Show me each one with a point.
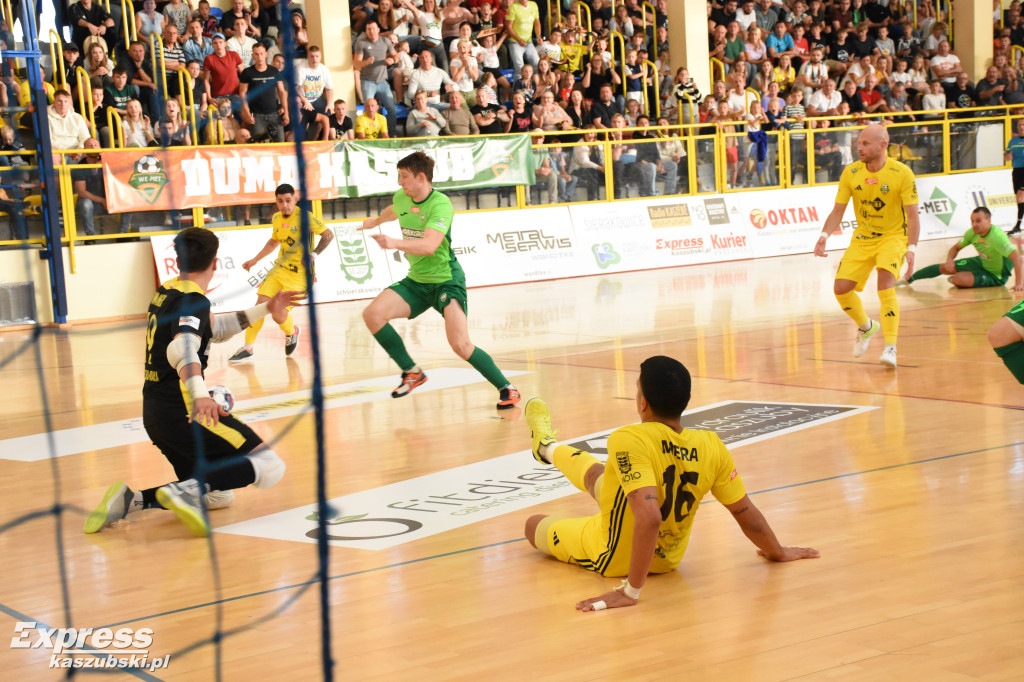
(80, 439)
(408, 510)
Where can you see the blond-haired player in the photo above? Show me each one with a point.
(288, 273)
(885, 201)
(648, 491)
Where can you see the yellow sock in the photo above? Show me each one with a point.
(575, 464)
(851, 305)
(288, 326)
(251, 331)
(890, 315)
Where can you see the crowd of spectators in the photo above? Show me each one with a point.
(554, 70)
(807, 62)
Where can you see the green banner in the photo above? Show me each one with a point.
(459, 163)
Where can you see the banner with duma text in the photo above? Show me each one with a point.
(185, 178)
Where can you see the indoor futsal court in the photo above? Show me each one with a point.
(910, 482)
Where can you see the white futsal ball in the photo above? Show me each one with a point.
(222, 396)
(148, 165)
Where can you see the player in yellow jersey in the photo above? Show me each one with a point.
(648, 491)
(885, 201)
(288, 273)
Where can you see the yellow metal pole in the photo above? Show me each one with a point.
(154, 42)
(84, 84)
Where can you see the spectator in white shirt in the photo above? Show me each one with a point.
(68, 130)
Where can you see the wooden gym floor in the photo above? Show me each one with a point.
(916, 507)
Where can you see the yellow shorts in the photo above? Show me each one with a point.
(863, 256)
(279, 279)
(584, 541)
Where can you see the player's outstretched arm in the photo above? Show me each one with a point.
(1018, 270)
(387, 216)
(831, 225)
(226, 325)
(183, 356)
(326, 237)
(757, 530)
(414, 247)
(643, 502)
(267, 249)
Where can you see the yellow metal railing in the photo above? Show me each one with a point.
(713, 62)
(612, 38)
(84, 85)
(1014, 58)
(644, 7)
(156, 45)
(653, 69)
(693, 109)
(701, 151)
(583, 8)
(746, 98)
(128, 19)
(114, 124)
(57, 59)
(188, 102)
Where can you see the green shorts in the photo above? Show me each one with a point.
(437, 295)
(1016, 313)
(982, 277)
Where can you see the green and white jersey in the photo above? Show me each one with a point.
(433, 213)
(993, 248)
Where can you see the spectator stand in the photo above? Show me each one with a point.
(48, 192)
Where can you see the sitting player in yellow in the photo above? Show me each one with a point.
(648, 491)
(885, 201)
(288, 273)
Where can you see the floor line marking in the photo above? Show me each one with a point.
(516, 540)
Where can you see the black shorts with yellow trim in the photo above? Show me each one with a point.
(183, 443)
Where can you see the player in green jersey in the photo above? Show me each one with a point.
(435, 279)
(990, 268)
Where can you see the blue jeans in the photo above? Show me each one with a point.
(86, 211)
(385, 98)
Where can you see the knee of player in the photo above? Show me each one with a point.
(462, 347)
(371, 318)
(269, 468)
(219, 499)
(839, 288)
(530, 530)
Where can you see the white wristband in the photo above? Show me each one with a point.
(196, 386)
(824, 235)
(313, 255)
(257, 313)
(912, 248)
(629, 590)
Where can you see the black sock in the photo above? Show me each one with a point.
(149, 499)
(1020, 214)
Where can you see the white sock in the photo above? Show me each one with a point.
(136, 503)
(864, 329)
(248, 347)
(548, 451)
